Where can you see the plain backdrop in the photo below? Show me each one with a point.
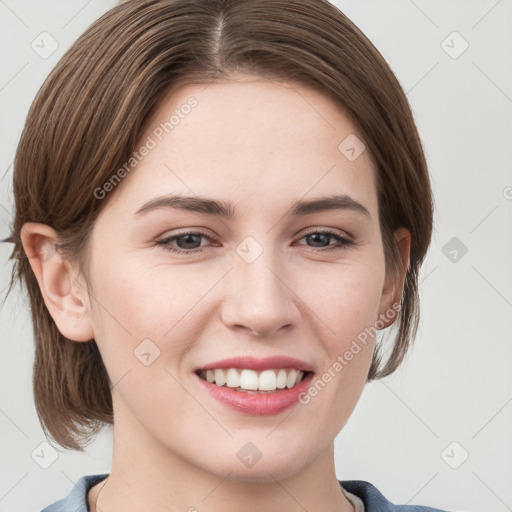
(436, 432)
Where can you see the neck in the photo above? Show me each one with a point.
(147, 476)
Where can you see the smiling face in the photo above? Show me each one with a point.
(260, 277)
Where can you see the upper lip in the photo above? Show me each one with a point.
(253, 363)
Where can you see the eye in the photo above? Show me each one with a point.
(190, 241)
(323, 236)
(184, 241)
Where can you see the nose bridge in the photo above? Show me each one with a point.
(260, 299)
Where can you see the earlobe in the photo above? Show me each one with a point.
(64, 295)
(394, 285)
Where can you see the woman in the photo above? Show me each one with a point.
(218, 206)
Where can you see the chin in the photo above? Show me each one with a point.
(265, 467)
(262, 473)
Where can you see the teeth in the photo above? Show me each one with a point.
(220, 377)
(281, 379)
(292, 377)
(232, 378)
(267, 380)
(250, 380)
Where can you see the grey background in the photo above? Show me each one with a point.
(456, 384)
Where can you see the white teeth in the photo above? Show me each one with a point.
(281, 379)
(220, 377)
(250, 380)
(232, 378)
(292, 376)
(267, 380)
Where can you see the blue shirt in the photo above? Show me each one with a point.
(374, 501)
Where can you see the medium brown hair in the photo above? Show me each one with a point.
(93, 107)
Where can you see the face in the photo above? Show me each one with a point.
(269, 280)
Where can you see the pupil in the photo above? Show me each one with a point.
(315, 236)
(188, 237)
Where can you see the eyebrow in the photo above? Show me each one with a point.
(226, 209)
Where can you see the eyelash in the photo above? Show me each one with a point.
(345, 243)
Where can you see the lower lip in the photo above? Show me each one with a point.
(258, 404)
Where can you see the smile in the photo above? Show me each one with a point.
(252, 381)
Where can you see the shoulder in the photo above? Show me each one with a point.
(374, 501)
(76, 500)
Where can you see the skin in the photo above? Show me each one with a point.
(262, 145)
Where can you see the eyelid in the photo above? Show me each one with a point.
(186, 231)
(333, 231)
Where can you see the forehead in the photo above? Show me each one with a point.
(249, 138)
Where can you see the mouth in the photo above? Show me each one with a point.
(254, 386)
(246, 380)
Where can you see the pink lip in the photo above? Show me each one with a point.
(257, 404)
(252, 363)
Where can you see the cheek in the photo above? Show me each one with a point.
(148, 301)
(145, 320)
(347, 305)
(345, 299)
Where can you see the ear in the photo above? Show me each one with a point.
(394, 285)
(64, 295)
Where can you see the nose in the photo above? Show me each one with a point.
(259, 298)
